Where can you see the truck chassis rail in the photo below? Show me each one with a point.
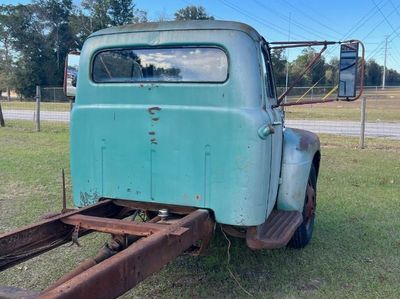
(136, 251)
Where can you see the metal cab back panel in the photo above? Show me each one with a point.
(189, 144)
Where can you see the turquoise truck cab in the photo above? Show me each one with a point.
(185, 113)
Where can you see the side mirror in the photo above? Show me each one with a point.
(348, 71)
(71, 74)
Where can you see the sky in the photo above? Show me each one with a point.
(370, 21)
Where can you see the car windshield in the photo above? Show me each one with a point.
(189, 64)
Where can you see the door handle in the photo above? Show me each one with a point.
(265, 130)
(277, 123)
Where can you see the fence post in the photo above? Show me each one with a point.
(2, 123)
(362, 128)
(38, 98)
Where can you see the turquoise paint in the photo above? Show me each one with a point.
(200, 147)
(299, 150)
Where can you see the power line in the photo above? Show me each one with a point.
(374, 52)
(358, 24)
(311, 17)
(372, 12)
(396, 51)
(300, 25)
(395, 8)
(377, 25)
(257, 19)
(387, 21)
(394, 37)
(394, 60)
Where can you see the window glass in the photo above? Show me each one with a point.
(190, 64)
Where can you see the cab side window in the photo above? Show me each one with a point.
(267, 73)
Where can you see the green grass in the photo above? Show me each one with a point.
(376, 111)
(47, 106)
(355, 252)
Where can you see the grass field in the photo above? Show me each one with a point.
(355, 252)
(377, 110)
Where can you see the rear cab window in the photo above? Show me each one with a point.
(170, 64)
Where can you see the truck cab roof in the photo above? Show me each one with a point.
(181, 26)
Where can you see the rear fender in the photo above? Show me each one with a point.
(300, 149)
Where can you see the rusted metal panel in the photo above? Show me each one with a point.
(234, 232)
(113, 226)
(276, 232)
(32, 240)
(114, 276)
(299, 149)
(108, 250)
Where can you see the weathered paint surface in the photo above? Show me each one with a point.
(189, 144)
(184, 144)
(299, 149)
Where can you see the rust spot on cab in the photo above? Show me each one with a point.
(152, 133)
(155, 118)
(152, 109)
(307, 138)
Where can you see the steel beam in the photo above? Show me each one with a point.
(114, 226)
(32, 240)
(116, 275)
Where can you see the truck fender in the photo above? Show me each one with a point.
(301, 149)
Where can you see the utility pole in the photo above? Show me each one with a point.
(287, 59)
(384, 64)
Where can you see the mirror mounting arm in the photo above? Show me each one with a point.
(295, 44)
(307, 68)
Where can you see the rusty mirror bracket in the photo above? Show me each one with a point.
(301, 44)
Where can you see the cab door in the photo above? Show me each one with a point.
(275, 113)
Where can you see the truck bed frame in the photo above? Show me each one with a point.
(135, 251)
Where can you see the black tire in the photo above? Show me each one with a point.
(303, 234)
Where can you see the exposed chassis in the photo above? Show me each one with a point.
(136, 251)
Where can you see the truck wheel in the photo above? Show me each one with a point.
(304, 232)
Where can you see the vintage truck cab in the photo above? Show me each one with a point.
(186, 114)
(176, 127)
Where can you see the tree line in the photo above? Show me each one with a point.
(35, 39)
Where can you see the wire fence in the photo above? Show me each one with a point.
(50, 106)
(53, 94)
(382, 111)
(381, 114)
